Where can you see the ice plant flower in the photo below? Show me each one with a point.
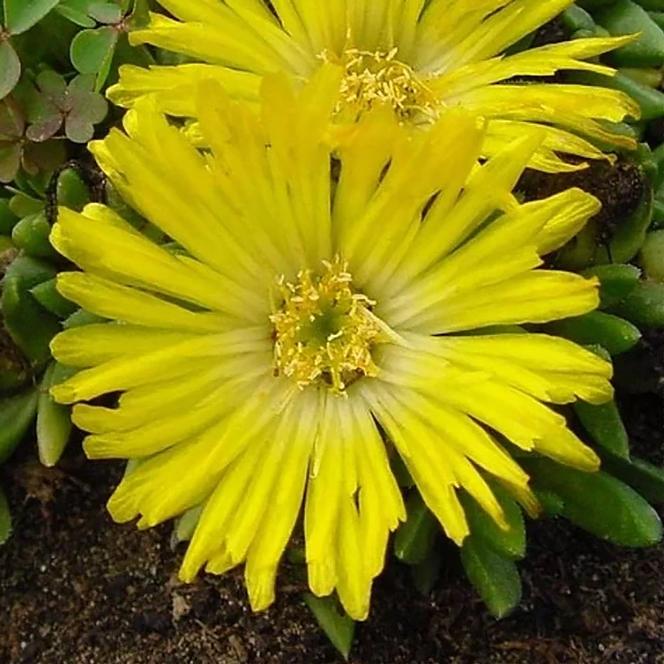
(301, 329)
(414, 56)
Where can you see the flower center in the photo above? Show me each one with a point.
(324, 331)
(377, 78)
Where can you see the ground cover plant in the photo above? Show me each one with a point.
(342, 285)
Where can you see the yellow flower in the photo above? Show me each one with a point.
(300, 322)
(417, 57)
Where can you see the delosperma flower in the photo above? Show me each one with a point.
(417, 57)
(302, 330)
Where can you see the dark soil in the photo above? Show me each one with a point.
(76, 588)
(618, 187)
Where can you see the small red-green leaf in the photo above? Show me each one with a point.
(21, 15)
(12, 120)
(495, 578)
(44, 156)
(45, 128)
(105, 12)
(10, 68)
(90, 49)
(76, 12)
(339, 627)
(10, 161)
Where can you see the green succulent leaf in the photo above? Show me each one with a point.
(31, 234)
(23, 205)
(599, 503)
(71, 191)
(28, 323)
(53, 419)
(16, 416)
(510, 542)
(616, 281)
(495, 577)
(652, 256)
(10, 68)
(5, 518)
(21, 15)
(426, 574)
(48, 296)
(414, 539)
(339, 627)
(597, 327)
(624, 17)
(186, 524)
(605, 426)
(644, 306)
(641, 475)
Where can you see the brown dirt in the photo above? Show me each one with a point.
(76, 588)
(619, 188)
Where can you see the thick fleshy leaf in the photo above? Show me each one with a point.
(644, 306)
(495, 578)
(510, 543)
(16, 415)
(29, 324)
(53, 420)
(616, 281)
(599, 503)
(641, 475)
(47, 295)
(71, 191)
(604, 424)
(31, 235)
(5, 518)
(21, 15)
(414, 538)
(10, 68)
(338, 627)
(612, 333)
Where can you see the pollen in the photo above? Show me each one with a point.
(324, 332)
(375, 78)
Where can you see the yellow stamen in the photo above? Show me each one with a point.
(324, 331)
(377, 78)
